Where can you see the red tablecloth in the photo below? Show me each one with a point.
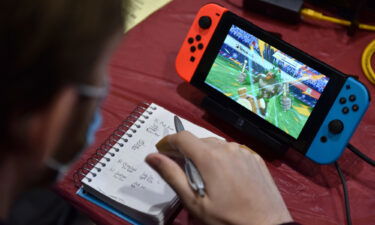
(143, 70)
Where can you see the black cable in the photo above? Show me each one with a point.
(346, 196)
(361, 155)
(342, 178)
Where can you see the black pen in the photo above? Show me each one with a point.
(194, 177)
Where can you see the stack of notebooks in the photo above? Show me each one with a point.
(117, 178)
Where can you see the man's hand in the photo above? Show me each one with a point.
(239, 188)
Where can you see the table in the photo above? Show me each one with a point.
(143, 70)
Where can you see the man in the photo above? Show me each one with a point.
(54, 57)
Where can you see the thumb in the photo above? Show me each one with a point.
(171, 172)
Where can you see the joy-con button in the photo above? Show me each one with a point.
(192, 59)
(345, 110)
(323, 139)
(205, 22)
(193, 48)
(190, 40)
(355, 107)
(200, 46)
(198, 37)
(342, 100)
(352, 98)
(336, 126)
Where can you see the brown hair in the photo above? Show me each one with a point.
(47, 44)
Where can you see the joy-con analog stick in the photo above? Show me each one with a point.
(205, 22)
(336, 126)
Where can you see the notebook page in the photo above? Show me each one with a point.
(126, 178)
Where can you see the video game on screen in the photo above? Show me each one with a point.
(266, 81)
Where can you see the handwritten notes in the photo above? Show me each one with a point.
(146, 177)
(153, 129)
(126, 178)
(119, 176)
(128, 168)
(122, 169)
(138, 145)
(137, 185)
(159, 128)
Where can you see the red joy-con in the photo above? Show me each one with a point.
(197, 39)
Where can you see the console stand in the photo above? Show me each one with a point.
(242, 124)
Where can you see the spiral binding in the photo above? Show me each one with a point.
(112, 144)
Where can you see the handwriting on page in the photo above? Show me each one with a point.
(122, 170)
(119, 176)
(153, 129)
(129, 171)
(139, 144)
(146, 177)
(159, 128)
(137, 185)
(128, 168)
(144, 180)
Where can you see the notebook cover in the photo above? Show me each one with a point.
(105, 206)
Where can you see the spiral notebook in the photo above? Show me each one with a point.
(117, 176)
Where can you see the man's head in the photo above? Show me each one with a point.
(48, 50)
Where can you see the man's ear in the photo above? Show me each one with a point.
(45, 127)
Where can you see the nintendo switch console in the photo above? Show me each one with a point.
(269, 88)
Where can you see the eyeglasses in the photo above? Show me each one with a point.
(90, 91)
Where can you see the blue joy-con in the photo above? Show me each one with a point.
(340, 123)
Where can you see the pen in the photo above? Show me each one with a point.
(192, 173)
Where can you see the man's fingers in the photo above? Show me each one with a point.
(248, 149)
(172, 174)
(185, 143)
(165, 148)
(213, 141)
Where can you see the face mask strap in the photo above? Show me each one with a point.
(88, 91)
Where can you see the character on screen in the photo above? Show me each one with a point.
(270, 85)
(249, 101)
(242, 76)
(286, 101)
